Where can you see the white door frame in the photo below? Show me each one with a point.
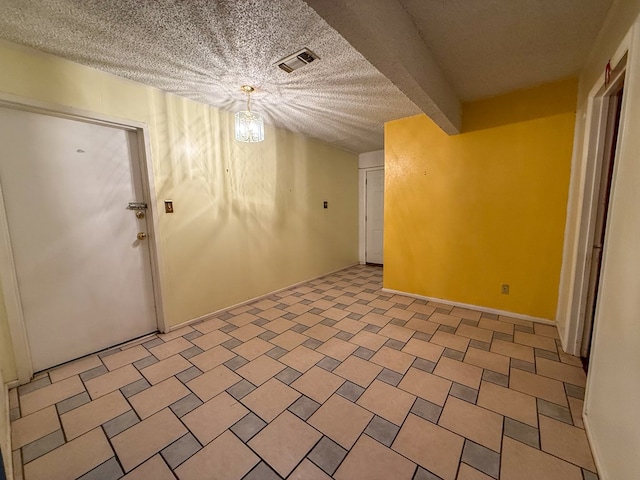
(8, 277)
(576, 268)
(362, 225)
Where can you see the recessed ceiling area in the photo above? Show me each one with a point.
(378, 61)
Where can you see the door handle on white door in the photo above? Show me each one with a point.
(142, 236)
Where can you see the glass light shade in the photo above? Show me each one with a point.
(249, 127)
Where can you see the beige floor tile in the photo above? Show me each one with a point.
(213, 417)
(475, 333)
(359, 308)
(13, 398)
(87, 452)
(173, 334)
(271, 313)
(154, 468)
(466, 313)
(536, 341)
(546, 330)
(226, 458)
(211, 339)
(284, 442)
(496, 326)
(322, 304)
(570, 359)
(577, 406)
(402, 300)
(335, 313)
(491, 361)
(253, 348)
(371, 460)
(309, 319)
(445, 319)
(459, 372)
(210, 359)
(170, 348)
(344, 300)
(336, 348)
(210, 325)
(271, 399)
(145, 439)
(376, 319)
(513, 350)
(358, 371)
(161, 395)
(515, 321)
(260, 370)
(561, 371)
(509, 403)
(397, 333)
(423, 309)
(301, 358)
(468, 473)
(368, 340)
(441, 306)
(341, 420)
(241, 309)
(289, 340)
(400, 314)
(430, 446)
(165, 368)
(298, 308)
(111, 381)
(93, 414)
(308, 471)
(247, 332)
(242, 319)
(318, 384)
(423, 326)
(389, 402)
(522, 462)
(567, 442)
(449, 340)
(264, 304)
(321, 332)
(382, 304)
(349, 325)
(213, 382)
(125, 357)
(50, 395)
(393, 359)
(475, 423)
(32, 427)
(422, 349)
(74, 368)
(425, 385)
(279, 325)
(538, 386)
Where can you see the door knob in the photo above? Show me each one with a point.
(141, 236)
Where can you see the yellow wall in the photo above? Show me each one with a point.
(248, 217)
(467, 213)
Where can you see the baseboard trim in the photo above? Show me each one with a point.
(494, 311)
(8, 455)
(595, 452)
(209, 316)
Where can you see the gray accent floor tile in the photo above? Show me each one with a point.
(34, 385)
(466, 321)
(260, 321)
(327, 455)
(145, 362)
(290, 316)
(522, 328)
(276, 352)
(180, 450)
(454, 354)
(346, 336)
(350, 391)
(445, 311)
(490, 316)
(228, 328)
(299, 328)
(447, 329)
(262, 471)
(119, 424)
(312, 343)
(372, 328)
(268, 335)
(288, 375)
(43, 445)
(382, 430)
(225, 316)
(464, 393)
(248, 426)
(328, 363)
(422, 336)
(480, 345)
(503, 336)
(93, 373)
(191, 352)
(521, 432)
(236, 362)
(395, 344)
(109, 470)
(329, 322)
(241, 389)
(574, 391)
(398, 322)
(135, 387)
(304, 407)
(495, 377)
(232, 343)
(73, 402)
(186, 404)
(481, 458)
(14, 414)
(555, 411)
(589, 475)
(152, 343)
(364, 353)
(547, 354)
(354, 315)
(390, 377)
(425, 365)
(422, 474)
(427, 410)
(188, 374)
(108, 353)
(522, 365)
(316, 311)
(192, 335)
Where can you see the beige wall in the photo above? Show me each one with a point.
(248, 217)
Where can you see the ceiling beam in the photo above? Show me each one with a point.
(384, 33)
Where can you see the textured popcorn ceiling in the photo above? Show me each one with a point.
(435, 51)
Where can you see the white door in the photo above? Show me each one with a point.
(374, 217)
(83, 277)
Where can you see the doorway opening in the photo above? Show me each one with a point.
(374, 216)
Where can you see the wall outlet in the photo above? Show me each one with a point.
(504, 289)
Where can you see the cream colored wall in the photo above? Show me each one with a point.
(248, 218)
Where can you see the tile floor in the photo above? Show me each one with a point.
(332, 379)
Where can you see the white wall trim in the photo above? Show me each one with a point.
(209, 316)
(8, 278)
(494, 311)
(6, 441)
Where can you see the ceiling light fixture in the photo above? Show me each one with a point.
(249, 125)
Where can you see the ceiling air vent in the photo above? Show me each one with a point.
(297, 60)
